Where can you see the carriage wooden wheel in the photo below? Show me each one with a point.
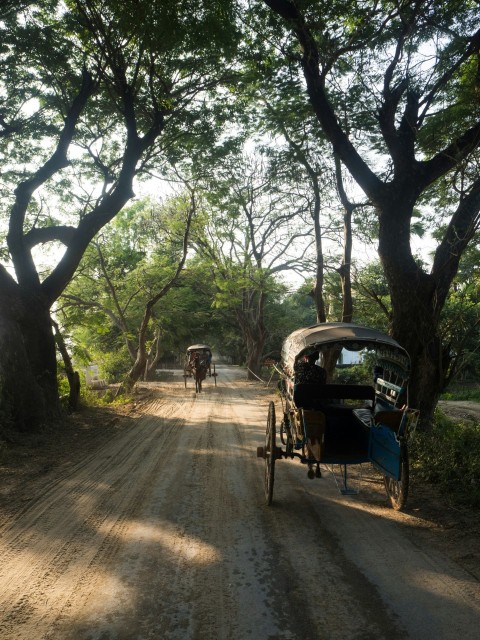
(270, 454)
(214, 374)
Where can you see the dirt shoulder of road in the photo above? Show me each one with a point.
(29, 464)
(464, 410)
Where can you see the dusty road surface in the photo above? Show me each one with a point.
(162, 533)
(464, 410)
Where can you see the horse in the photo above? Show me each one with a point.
(199, 370)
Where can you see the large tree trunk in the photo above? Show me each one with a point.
(416, 329)
(254, 356)
(251, 321)
(28, 368)
(416, 307)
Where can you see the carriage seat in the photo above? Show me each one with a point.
(311, 395)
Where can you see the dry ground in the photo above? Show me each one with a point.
(27, 463)
(29, 467)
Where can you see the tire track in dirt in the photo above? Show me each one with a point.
(284, 556)
(163, 533)
(65, 531)
(186, 588)
(392, 586)
(185, 581)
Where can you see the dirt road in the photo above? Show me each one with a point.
(162, 533)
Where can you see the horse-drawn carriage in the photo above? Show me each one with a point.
(198, 364)
(333, 424)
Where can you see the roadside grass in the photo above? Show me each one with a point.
(449, 457)
(104, 397)
(463, 392)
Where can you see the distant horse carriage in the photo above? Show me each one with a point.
(198, 364)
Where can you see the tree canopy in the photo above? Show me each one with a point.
(92, 97)
(384, 80)
(363, 117)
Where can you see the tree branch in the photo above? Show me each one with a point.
(19, 250)
(461, 229)
(62, 233)
(365, 177)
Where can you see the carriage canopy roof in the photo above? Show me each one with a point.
(353, 337)
(199, 347)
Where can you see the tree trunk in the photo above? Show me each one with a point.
(346, 267)
(416, 328)
(72, 376)
(254, 355)
(251, 321)
(417, 332)
(330, 358)
(154, 356)
(28, 367)
(415, 315)
(135, 374)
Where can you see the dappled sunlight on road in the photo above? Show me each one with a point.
(163, 532)
(172, 540)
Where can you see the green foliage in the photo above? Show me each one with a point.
(460, 323)
(133, 258)
(354, 374)
(449, 457)
(284, 313)
(63, 386)
(371, 297)
(171, 59)
(100, 398)
(462, 392)
(113, 365)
